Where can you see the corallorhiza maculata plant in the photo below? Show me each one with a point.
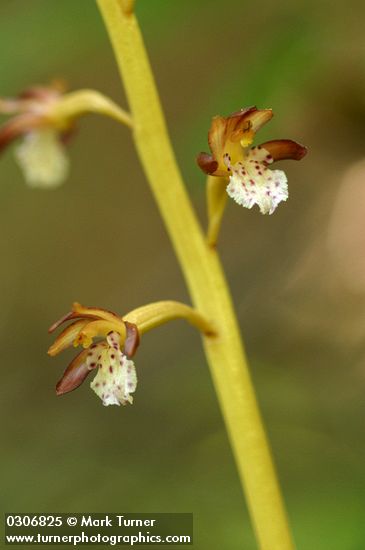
(43, 122)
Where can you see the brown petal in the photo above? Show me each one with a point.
(207, 163)
(237, 123)
(281, 149)
(257, 118)
(67, 337)
(132, 339)
(79, 311)
(217, 137)
(245, 111)
(69, 316)
(94, 312)
(56, 324)
(74, 375)
(17, 127)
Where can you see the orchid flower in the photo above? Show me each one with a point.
(115, 379)
(251, 181)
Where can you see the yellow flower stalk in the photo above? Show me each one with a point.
(205, 279)
(76, 104)
(155, 314)
(216, 203)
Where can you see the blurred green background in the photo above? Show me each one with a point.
(298, 277)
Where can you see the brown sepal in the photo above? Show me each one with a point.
(74, 375)
(80, 315)
(281, 149)
(132, 339)
(207, 163)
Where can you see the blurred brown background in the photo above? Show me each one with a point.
(298, 277)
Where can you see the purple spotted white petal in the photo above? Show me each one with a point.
(116, 378)
(113, 340)
(95, 355)
(252, 182)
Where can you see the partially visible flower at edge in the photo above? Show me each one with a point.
(250, 180)
(41, 154)
(116, 378)
(44, 117)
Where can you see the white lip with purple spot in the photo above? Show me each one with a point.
(252, 182)
(116, 378)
